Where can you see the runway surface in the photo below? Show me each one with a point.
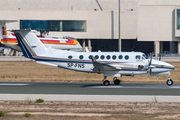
(82, 88)
(63, 91)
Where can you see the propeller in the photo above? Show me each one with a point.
(148, 67)
(159, 57)
(149, 70)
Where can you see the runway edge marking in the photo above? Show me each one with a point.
(98, 98)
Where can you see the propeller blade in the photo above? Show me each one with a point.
(150, 59)
(148, 75)
(159, 57)
(149, 71)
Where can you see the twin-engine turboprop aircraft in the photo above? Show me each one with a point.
(114, 64)
(9, 40)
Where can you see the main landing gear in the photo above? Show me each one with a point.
(169, 82)
(106, 82)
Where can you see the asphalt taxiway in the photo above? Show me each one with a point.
(81, 88)
(80, 91)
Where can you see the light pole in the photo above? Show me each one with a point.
(119, 35)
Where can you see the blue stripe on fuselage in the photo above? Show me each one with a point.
(67, 61)
(24, 49)
(165, 67)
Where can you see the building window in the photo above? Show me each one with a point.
(54, 25)
(178, 18)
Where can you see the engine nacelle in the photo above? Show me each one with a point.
(157, 74)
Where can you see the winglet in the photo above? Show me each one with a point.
(7, 21)
(3, 28)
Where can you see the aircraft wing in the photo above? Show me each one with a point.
(100, 66)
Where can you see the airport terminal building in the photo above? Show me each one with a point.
(145, 25)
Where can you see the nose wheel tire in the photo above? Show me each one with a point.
(106, 82)
(117, 82)
(169, 82)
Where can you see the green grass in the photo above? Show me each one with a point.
(2, 114)
(39, 100)
(27, 114)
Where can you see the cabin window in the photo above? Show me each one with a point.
(145, 56)
(114, 57)
(126, 57)
(70, 57)
(108, 57)
(90, 57)
(138, 57)
(120, 57)
(96, 57)
(102, 57)
(81, 57)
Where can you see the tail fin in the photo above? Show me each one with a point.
(3, 28)
(30, 44)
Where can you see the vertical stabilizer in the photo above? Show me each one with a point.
(3, 28)
(30, 44)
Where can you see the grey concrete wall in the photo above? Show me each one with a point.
(58, 4)
(156, 20)
(99, 23)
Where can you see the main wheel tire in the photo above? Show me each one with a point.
(117, 82)
(169, 82)
(106, 82)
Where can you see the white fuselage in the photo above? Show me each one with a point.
(113, 64)
(127, 62)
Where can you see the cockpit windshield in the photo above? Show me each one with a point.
(145, 56)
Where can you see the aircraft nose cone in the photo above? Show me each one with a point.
(163, 65)
(172, 66)
(169, 66)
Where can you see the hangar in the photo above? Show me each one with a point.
(145, 25)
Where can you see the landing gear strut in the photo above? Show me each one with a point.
(169, 82)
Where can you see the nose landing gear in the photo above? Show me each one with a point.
(169, 82)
